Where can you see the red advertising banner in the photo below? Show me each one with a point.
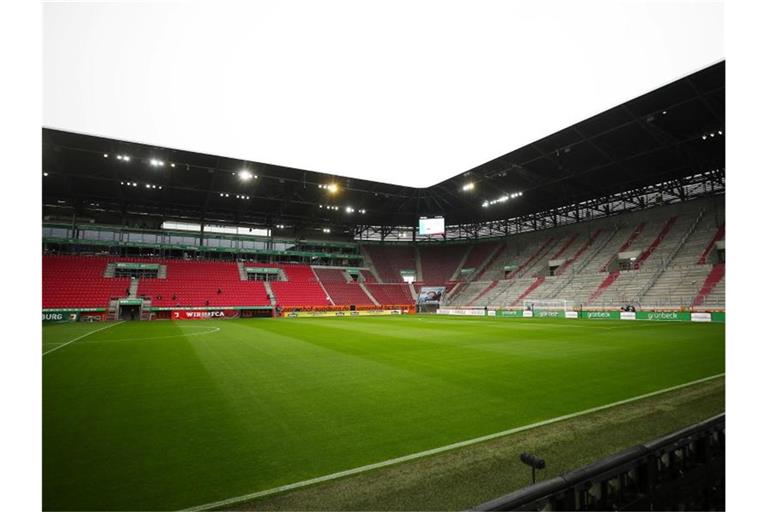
(193, 314)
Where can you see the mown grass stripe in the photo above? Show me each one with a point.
(81, 337)
(426, 453)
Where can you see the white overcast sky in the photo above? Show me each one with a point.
(409, 93)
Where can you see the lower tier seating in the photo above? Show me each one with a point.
(79, 282)
(391, 294)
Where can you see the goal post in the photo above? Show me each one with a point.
(549, 305)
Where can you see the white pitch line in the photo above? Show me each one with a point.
(81, 337)
(434, 451)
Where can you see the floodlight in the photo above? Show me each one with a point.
(245, 175)
(534, 462)
(468, 186)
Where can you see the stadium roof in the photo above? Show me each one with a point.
(675, 131)
(407, 93)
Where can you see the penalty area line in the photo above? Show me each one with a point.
(81, 337)
(434, 451)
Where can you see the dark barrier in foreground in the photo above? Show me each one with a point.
(680, 471)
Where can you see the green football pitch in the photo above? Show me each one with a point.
(170, 415)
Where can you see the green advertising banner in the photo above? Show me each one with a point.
(601, 315)
(515, 313)
(262, 270)
(667, 316)
(138, 266)
(718, 316)
(549, 314)
(60, 316)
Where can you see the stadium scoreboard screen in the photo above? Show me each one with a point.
(431, 226)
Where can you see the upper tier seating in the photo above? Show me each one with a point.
(390, 260)
(330, 275)
(479, 254)
(79, 282)
(368, 276)
(438, 263)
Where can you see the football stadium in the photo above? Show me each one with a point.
(542, 331)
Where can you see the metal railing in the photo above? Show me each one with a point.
(681, 471)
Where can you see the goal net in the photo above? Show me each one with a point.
(548, 305)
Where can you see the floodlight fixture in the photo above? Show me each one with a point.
(534, 462)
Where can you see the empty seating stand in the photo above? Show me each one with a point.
(439, 263)
(391, 294)
(79, 282)
(390, 260)
(301, 288)
(342, 292)
(201, 284)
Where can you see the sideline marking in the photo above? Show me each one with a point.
(81, 337)
(433, 451)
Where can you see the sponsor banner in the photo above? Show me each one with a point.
(463, 312)
(548, 314)
(431, 294)
(600, 315)
(628, 315)
(667, 316)
(60, 316)
(93, 317)
(571, 314)
(137, 266)
(701, 317)
(527, 314)
(262, 270)
(514, 313)
(718, 316)
(199, 314)
(321, 314)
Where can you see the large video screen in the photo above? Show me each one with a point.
(431, 226)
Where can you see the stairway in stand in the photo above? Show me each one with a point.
(718, 236)
(536, 283)
(714, 277)
(608, 281)
(656, 242)
(485, 290)
(626, 245)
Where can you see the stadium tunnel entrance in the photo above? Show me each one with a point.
(130, 312)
